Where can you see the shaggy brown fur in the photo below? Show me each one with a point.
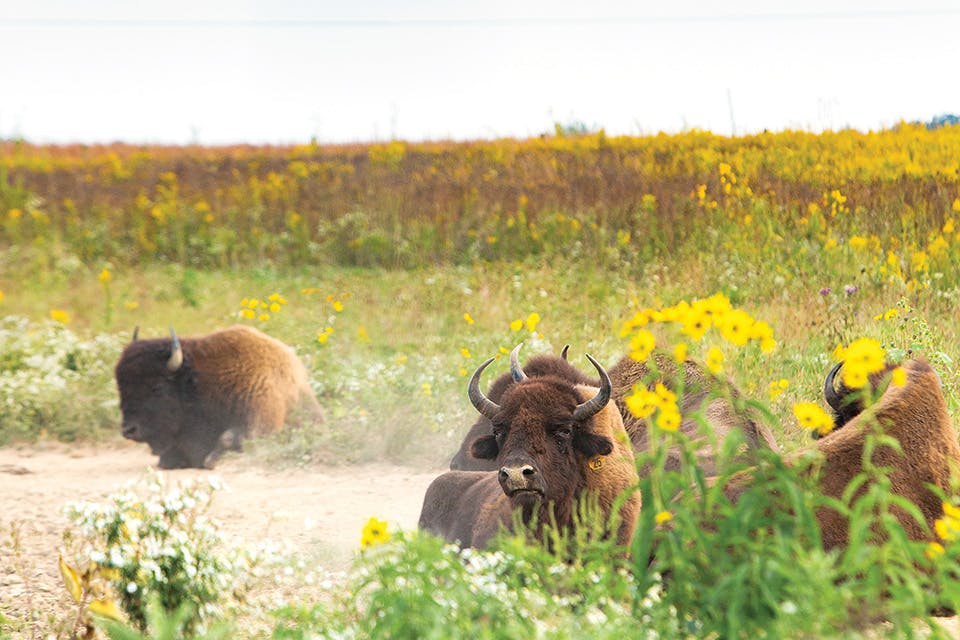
(718, 400)
(916, 415)
(232, 384)
(534, 432)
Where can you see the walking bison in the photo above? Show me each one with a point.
(191, 399)
(554, 441)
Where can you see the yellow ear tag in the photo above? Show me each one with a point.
(596, 463)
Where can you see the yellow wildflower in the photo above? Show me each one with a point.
(274, 307)
(811, 416)
(898, 377)
(104, 276)
(665, 397)
(777, 387)
(532, 321)
(465, 352)
(934, 550)
(641, 345)
(715, 360)
(374, 533)
(59, 315)
(425, 387)
(680, 352)
(863, 357)
(663, 516)
(669, 419)
(467, 318)
(516, 325)
(696, 324)
(641, 403)
(248, 314)
(337, 306)
(736, 326)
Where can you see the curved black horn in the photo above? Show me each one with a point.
(593, 406)
(176, 353)
(563, 352)
(136, 332)
(515, 371)
(487, 407)
(830, 391)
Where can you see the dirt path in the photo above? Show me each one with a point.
(319, 512)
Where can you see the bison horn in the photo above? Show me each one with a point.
(487, 407)
(593, 406)
(515, 371)
(563, 352)
(830, 392)
(136, 332)
(176, 353)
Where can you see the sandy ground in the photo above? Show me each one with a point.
(317, 511)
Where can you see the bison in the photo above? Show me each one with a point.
(554, 441)
(703, 395)
(192, 399)
(915, 414)
(721, 404)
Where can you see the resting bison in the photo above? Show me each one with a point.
(704, 395)
(554, 441)
(845, 401)
(915, 414)
(541, 365)
(192, 399)
(720, 402)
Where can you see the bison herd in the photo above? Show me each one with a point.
(547, 435)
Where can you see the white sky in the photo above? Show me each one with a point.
(281, 71)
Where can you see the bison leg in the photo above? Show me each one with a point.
(173, 458)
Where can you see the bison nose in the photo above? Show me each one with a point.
(513, 478)
(129, 431)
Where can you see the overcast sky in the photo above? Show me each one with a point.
(282, 71)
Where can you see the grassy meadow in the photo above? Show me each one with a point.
(395, 269)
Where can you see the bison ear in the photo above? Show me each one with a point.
(590, 444)
(485, 448)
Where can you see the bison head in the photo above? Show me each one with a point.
(155, 391)
(542, 435)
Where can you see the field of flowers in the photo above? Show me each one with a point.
(395, 269)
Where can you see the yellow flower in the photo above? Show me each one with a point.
(104, 276)
(736, 327)
(665, 397)
(663, 516)
(669, 419)
(425, 387)
(465, 353)
(641, 403)
(468, 319)
(1, 296)
(337, 306)
(934, 550)
(811, 416)
(641, 344)
(516, 325)
(263, 317)
(680, 352)
(948, 226)
(274, 307)
(898, 377)
(768, 345)
(248, 314)
(59, 315)
(863, 357)
(696, 324)
(322, 336)
(715, 360)
(532, 321)
(777, 387)
(374, 533)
